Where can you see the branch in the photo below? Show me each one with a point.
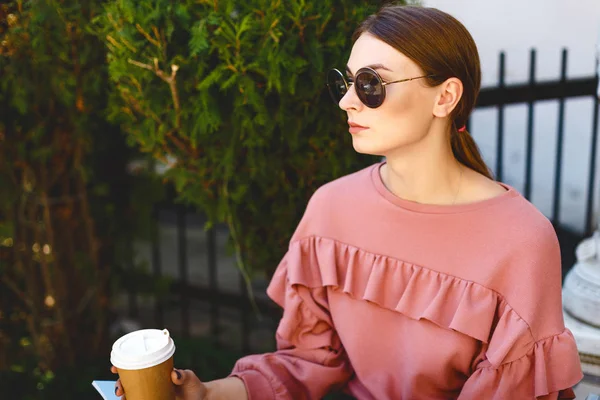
(147, 36)
(155, 30)
(136, 83)
(113, 42)
(175, 95)
(58, 278)
(141, 65)
(238, 250)
(170, 80)
(173, 86)
(137, 107)
(113, 22)
(127, 44)
(37, 235)
(20, 294)
(180, 145)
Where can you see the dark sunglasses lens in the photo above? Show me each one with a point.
(369, 89)
(337, 85)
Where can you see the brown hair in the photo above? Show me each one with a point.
(443, 48)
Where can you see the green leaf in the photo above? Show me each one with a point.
(199, 41)
(245, 25)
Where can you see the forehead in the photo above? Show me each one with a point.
(369, 50)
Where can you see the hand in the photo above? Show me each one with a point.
(187, 385)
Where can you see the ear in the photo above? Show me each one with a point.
(449, 95)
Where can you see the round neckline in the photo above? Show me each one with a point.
(436, 208)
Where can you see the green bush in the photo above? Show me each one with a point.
(66, 220)
(230, 95)
(53, 272)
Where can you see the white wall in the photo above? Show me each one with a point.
(516, 26)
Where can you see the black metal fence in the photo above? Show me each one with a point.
(531, 93)
(227, 314)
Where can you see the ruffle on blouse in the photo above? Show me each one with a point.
(445, 300)
(411, 290)
(548, 368)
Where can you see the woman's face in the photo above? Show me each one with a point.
(406, 114)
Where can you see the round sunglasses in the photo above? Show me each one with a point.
(369, 86)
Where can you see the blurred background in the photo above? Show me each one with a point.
(156, 156)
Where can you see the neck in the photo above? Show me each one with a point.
(424, 172)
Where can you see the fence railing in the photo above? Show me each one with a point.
(236, 327)
(531, 93)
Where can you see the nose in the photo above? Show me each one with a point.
(350, 101)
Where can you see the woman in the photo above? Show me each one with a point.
(419, 277)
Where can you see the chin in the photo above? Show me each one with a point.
(370, 147)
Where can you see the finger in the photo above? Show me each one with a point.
(119, 389)
(113, 369)
(178, 376)
(184, 376)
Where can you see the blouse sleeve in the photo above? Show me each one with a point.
(547, 371)
(310, 360)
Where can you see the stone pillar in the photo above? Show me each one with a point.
(581, 303)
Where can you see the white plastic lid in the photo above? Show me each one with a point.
(142, 349)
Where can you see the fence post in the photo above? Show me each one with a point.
(183, 271)
(500, 138)
(559, 140)
(246, 313)
(591, 218)
(530, 116)
(211, 253)
(156, 266)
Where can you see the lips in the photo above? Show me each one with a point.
(356, 128)
(355, 125)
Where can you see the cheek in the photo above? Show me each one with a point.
(403, 112)
(401, 120)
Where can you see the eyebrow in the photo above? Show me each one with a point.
(372, 66)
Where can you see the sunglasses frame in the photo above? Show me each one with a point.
(377, 76)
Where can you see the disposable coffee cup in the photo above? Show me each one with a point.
(144, 360)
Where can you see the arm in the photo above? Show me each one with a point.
(310, 360)
(225, 389)
(530, 354)
(547, 371)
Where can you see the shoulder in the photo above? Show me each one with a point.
(516, 220)
(526, 239)
(331, 203)
(529, 272)
(341, 189)
(530, 228)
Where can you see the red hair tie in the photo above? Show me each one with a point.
(464, 128)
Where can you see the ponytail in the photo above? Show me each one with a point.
(466, 151)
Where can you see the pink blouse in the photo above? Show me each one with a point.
(386, 298)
